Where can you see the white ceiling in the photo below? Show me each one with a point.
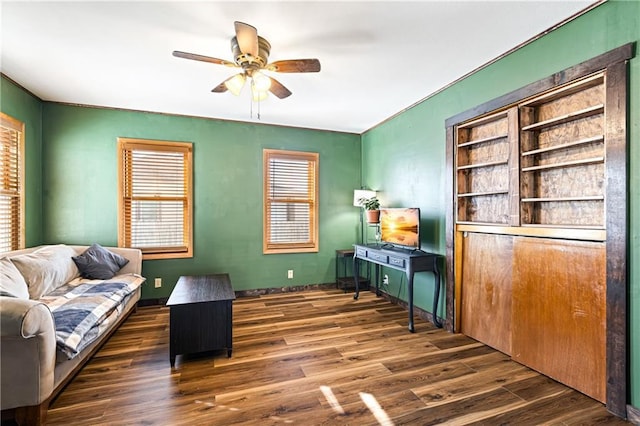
(378, 57)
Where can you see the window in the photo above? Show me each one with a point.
(12, 186)
(290, 201)
(155, 197)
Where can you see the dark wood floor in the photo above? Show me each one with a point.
(314, 358)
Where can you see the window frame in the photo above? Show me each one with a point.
(312, 246)
(186, 148)
(13, 124)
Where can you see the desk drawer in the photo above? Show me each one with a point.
(396, 261)
(361, 252)
(377, 257)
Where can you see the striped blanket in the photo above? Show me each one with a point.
(83, 309)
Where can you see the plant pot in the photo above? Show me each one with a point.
(373, 216)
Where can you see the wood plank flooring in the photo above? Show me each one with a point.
(311, 358)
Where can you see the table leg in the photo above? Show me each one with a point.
(172, 360)
(229, 353)
(436, 294)
(356, 274)
(378, 280)
(410, 285)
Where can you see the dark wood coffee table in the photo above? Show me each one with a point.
(200, 315)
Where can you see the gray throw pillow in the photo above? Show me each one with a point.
(98, 263)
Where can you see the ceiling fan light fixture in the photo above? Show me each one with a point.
(261, 82)
(236, 83)
(258, 95)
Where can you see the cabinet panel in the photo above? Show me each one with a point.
(486, 289)
(559, 311)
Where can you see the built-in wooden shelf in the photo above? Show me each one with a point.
(482, 194)
(486, 164)
(556, 199)
(586, 141)
(483, 140)
(478, 224)
(561, 226)
(571, 163)
(575, 115)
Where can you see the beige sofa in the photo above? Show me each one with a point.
(35, 366)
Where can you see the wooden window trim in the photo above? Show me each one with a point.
(18, 126)
(149, 253)
(280, 248)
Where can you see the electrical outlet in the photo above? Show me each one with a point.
(158, 282)
(290, 274)
(385, 280)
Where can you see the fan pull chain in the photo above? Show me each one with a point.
(258, 108)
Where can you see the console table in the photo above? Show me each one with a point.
(200, 315)
(407, 260)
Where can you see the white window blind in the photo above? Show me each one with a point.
(290, 201)
(156, 197)
(12, 183)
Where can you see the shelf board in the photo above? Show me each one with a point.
(483, 140)
(569, 89)
(596, 233)
(556, 199)
(487, 164)
(482, 194)
(467, 222)
(562, 226)
(582, 162)
(599, 138)
(576, 115)
(484, 120)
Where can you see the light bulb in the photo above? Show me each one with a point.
(261, 82)
(258, 95)
(235, 83)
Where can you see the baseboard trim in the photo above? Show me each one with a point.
(251, 293)
(421, 313)
(292, 289)
(633, 414)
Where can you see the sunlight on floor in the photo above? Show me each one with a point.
(331, 399)
(376, 409)
(368, 399)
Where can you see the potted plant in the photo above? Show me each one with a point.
(372, 207)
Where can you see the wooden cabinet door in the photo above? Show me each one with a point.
(486, 289)
(559, 311)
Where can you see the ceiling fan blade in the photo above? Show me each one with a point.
(202, 58)
(295, 65)
(247, 38)
(278, 89)
(220, 88)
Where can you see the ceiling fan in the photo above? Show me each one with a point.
(251, 53)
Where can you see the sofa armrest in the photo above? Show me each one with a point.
(27, 352)
(24, 317)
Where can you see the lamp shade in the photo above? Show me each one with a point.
(362, 193)
(235, 84)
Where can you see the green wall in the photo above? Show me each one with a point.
(80, 192)
(27, 108)
(404, 158)
(71, 195)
